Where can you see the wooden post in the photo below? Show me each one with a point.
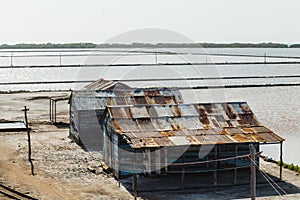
(11, 59)
(54, 111)
(134, 186)
(29, 140)
(281, 159)
(183, 177)
(158, 162)
(215, 165)
(60, 59)
(235, 170)
(166, 160)
(50, 110)
(265, 57)
(253, 172)
(134, 183)
(148, 168)
(183, 174)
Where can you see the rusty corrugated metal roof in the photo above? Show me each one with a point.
(93, 100)
(189, 124)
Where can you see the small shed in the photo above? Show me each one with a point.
(152, 139)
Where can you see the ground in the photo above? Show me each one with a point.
(63, 170)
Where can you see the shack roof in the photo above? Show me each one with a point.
(189, 124)
(93, 100)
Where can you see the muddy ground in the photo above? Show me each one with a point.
(63, 170)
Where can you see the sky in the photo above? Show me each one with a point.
(224, 21)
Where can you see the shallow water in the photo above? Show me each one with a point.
(277, 108)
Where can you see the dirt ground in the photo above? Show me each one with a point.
(63, 170)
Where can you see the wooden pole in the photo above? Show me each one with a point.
(50, 110)
(253, 172)
(60, 59)
(29, 140)
(54, 111)
(11, 59)
(215, 165)
(183, 175)
(134, 186)
(281, 159)
(155, 58)
(166, 160)
(134, 183)
(235, 170)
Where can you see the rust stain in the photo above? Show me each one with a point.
(140, 100)
(175, 127)
(176, 111)
(170, 100)
(116, 126)
(152, 93)
(150, 100)
(248, 130)
(240, 138)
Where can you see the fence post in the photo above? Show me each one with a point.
(29, 140)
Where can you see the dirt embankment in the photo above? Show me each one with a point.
(65, 171)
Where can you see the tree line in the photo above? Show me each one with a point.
(147, 45)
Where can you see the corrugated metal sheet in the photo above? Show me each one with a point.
(139, 112)
(89, 103)
(93, 100)
(189, 124)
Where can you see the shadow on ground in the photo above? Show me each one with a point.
(201, 186)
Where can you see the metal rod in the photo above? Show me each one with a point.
(253, 172)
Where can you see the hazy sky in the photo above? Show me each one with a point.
(40, 21)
